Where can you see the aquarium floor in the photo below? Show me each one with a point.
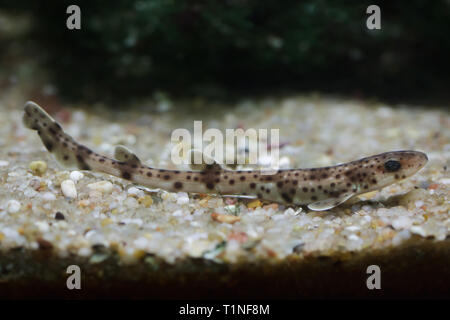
(134, 242)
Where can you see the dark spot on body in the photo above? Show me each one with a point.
(252, 185)
(314, 198)
(305, 189)
(166, 177)
(210, 185)
(279, 184)
(126, 175)
(178, 185)
(286, 197)
(242, 178)
(149, 174)
(231, 181)
(48, 145)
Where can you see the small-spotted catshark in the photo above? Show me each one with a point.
(318, 188)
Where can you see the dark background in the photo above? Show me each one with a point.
(223, 49)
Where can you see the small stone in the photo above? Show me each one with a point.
(402, 223)
(4, 163)
(134, 191)
(292, 212)
(418, 230)
(146, 201)
(68, 189)
(59, 216)
(254, 204)
(285, 162)
(44, 244)
(75, 176)
(418, 203)
(273, 206)
(131, 202)
(226, 218)
(38, 167)
(182, 198)
(445, 181)
(13, 206)
(353, 237)
(48, 196)
(42, 226)
(106, 222)
(102, 186)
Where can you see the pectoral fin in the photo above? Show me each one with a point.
(329, 203)
(123, 154)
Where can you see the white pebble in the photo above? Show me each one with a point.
(353, 237)
(182, 198)
(134, 191)
(292, 212)
(84, 252)
(141, 243)
(285, 162)
(68, 189)
(402, 223)
(4, 163)
(178, 213)
(445, 181)
(75, 176)
(102, 186)
(131, 202)
(132, 221)
(418, 230)
(48, 196)
(13, 206)
(400, 237)
(42, 226)
(418, 203)
(352, 228)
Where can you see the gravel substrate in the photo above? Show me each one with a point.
(51, 217)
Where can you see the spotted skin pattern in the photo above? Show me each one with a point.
(319, 188)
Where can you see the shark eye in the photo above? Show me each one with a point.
(392, 165)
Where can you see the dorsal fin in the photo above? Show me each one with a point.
(329, 203)
(123, 154)
(208, 164)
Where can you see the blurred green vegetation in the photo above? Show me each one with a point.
(131, 48)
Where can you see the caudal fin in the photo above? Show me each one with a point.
(57, 142)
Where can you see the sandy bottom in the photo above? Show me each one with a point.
(113, 217)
